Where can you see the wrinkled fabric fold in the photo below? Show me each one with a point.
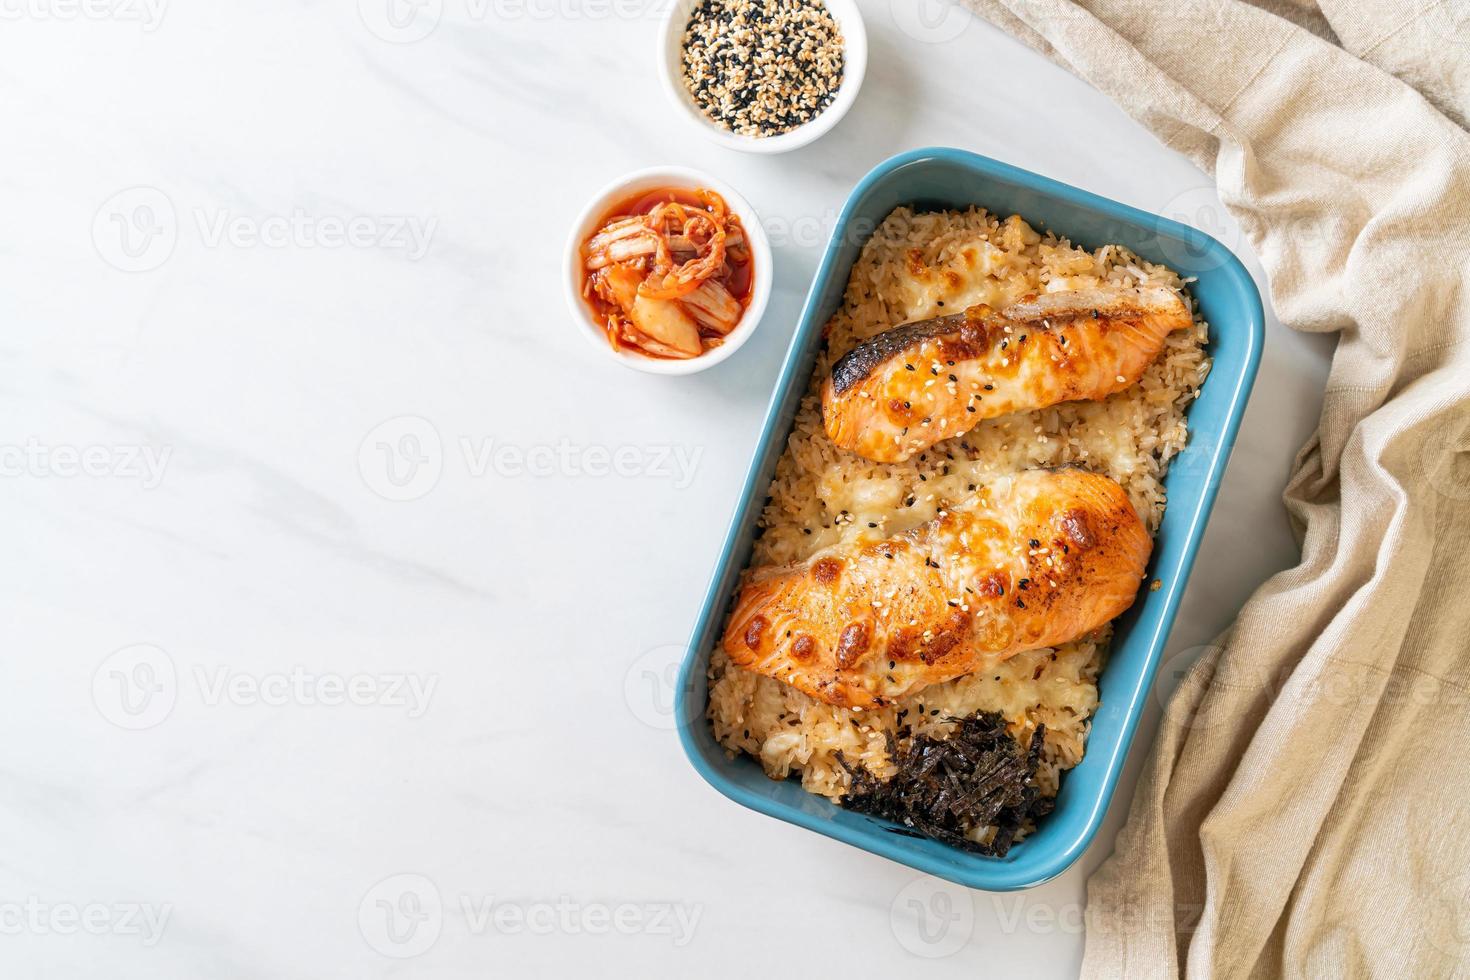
(1304, 810)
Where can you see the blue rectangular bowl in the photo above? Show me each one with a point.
(948, 178)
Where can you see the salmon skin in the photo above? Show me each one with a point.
(1032, 560)
(908, 388)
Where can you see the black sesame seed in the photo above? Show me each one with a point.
(762, 69)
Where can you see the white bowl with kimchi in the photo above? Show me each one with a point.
(668, 270)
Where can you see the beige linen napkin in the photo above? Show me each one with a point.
(1306, 810)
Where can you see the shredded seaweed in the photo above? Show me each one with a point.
(944, 788)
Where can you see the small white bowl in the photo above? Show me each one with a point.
(637, 182)
(854, 64)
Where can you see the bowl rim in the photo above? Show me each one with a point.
(855, 63)
(760, 247)
(1081, 822)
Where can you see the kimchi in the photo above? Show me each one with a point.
(668, 272)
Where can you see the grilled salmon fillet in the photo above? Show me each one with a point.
(1032, 560)
(904, 390)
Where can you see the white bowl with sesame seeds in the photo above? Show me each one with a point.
(854, 64)
(629, 186)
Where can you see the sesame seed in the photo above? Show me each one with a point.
(762, 69)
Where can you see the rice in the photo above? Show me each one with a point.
(918, 265)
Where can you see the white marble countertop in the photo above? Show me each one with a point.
(261, 719)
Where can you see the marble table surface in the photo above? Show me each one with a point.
(344, 577)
